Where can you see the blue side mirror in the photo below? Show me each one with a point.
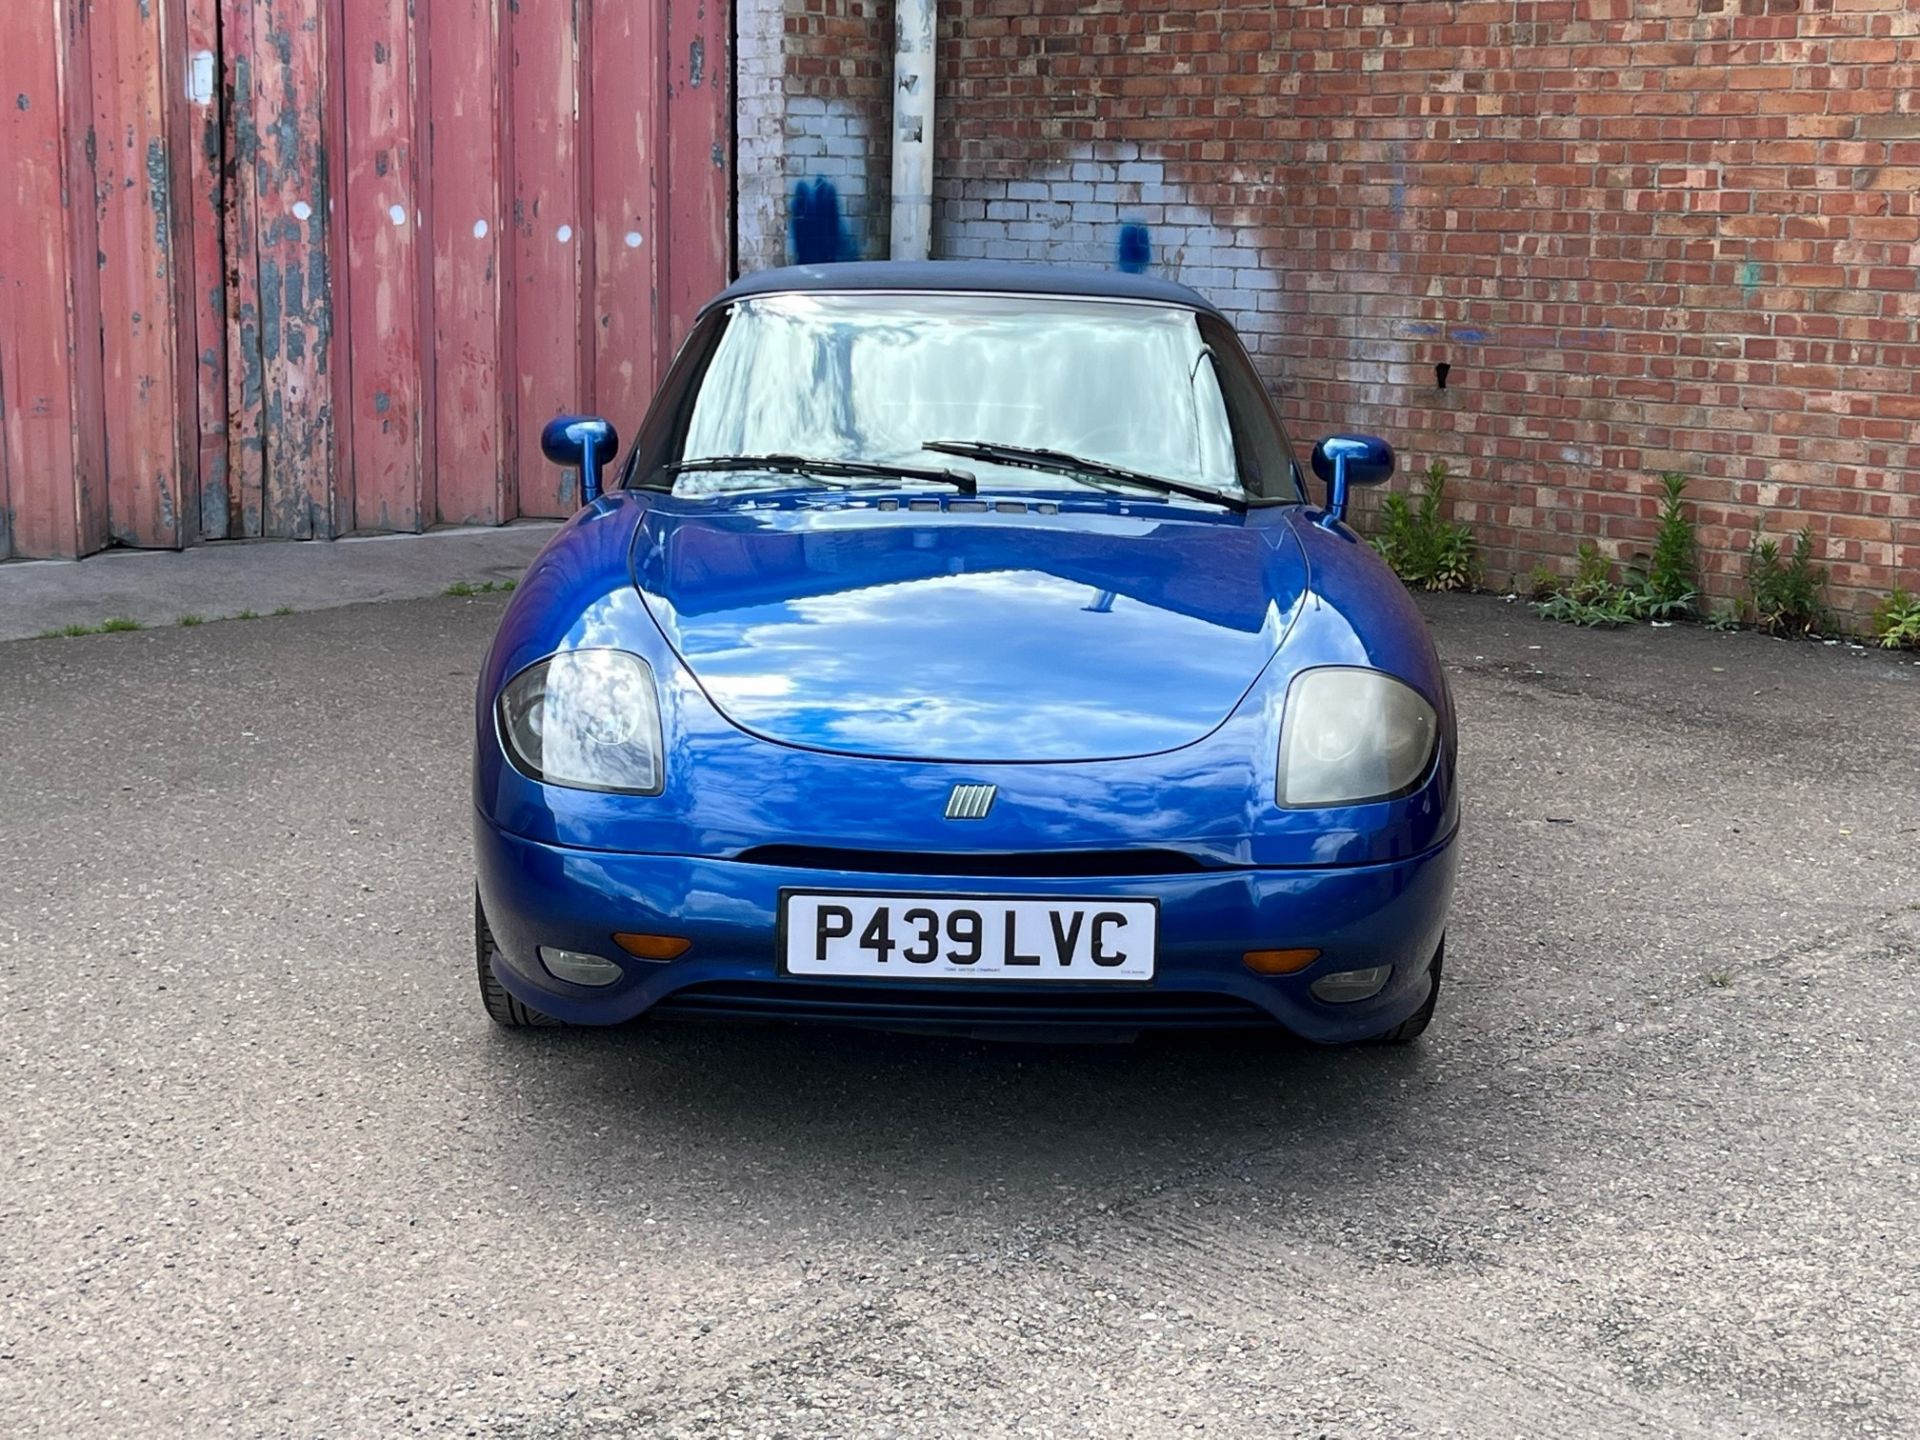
(583, 440)
(1343, 460)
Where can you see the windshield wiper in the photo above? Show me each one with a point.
(825, 469)
(1058, 462)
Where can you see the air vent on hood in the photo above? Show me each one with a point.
(1002, 507)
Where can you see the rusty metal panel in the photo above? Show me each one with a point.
(661, 117)
(505, 210)
(79, 220)
(238, 236)
(698, 85)
(198, 197)
(473, 434)
(627, 119)
(291, 190)
(36, 397)
(52, 459)
(150, 466)
(549, 240)
(382, 310)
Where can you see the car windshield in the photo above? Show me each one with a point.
(875, 377)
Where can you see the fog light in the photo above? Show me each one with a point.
(577, 968)
(1345, 986)
(1278, 962)
(653, 947)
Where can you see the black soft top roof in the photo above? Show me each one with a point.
(963, 275)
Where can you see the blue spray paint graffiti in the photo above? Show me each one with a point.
(1135, 250)
(815, 230)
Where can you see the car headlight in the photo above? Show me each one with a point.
(1351, 735)
(589, 719)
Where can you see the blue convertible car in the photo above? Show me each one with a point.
(957, 648)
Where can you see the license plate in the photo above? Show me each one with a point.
(967, 937)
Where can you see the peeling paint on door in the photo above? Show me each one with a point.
(341, 257)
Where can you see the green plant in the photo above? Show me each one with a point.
(283, 609)
(1422, 545)
(461, 588)
(1784, 593)
(69, 631)
(119, 622)
(1724, 617)
(1667, 589)
(1592, 575)
(1541, 582)
(1592, 597)
(1672, 583)
(189, 621)
(248, 615)
(1896, 620)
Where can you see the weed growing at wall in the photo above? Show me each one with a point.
(1669, 588)
(1785, 594)
(1896, 621)
(1593, 598)
(1424, 547)
(1672, 584)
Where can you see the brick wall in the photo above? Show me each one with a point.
(1643, 235)
(815, 77)
(760, 134)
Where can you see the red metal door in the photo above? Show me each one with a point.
(97, 336)
(607, 227)
(351, 254)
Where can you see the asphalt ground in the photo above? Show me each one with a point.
(1655, 1171)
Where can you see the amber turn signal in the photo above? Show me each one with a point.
(1270, 962)
(653, 947)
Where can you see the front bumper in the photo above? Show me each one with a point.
(538, 894)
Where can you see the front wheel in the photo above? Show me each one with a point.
(1415, 1025)
(501, 1007)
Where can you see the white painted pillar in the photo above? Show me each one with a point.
(911, 228)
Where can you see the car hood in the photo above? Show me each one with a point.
(967, 632)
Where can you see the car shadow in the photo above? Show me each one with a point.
(811, 1121)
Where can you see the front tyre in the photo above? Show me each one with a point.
(502, 1008)
(1411, 1028)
